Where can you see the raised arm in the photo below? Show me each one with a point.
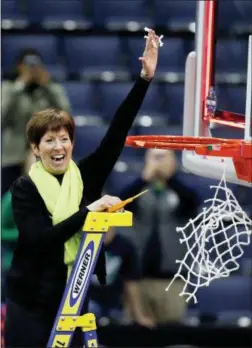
(99, 165)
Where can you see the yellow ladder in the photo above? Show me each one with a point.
(68, 316)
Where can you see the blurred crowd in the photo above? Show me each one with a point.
(140, 261)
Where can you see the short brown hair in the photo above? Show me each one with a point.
(48, 120)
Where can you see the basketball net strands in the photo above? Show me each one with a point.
(214, 241)
(215, 238)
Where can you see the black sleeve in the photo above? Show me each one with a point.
(97, 167)
(34, 226)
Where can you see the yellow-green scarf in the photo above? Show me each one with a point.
(61, 201)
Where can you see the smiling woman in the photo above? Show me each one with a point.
(51, 134)
(50, 206)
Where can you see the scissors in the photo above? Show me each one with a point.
(122, 204)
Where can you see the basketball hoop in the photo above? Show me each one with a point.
(239, 150)
(213, 245)
(209, 241)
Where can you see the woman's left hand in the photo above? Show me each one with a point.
(150, 55)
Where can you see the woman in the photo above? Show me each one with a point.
(50, 207)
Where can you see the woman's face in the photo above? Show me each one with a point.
(55, 151)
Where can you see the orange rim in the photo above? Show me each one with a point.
(181, 142)
(239, 150)
(180, 139)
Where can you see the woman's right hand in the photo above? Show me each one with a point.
(150, 55)
(103, 203)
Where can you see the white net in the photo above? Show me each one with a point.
(214, 241)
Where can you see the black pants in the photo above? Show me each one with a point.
(27, 329)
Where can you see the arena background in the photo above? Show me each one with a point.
(92, 48)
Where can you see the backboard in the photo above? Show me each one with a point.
(201, 114)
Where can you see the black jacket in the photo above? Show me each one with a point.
(37, 277)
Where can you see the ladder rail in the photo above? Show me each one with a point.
(68, 315)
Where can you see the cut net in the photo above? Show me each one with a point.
(214, 241)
